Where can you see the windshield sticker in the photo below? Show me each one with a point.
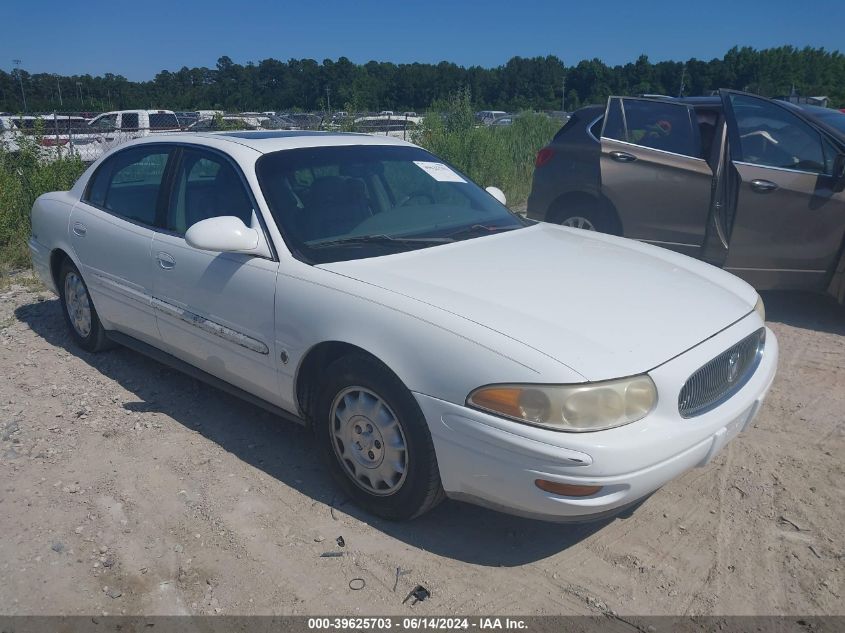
(438, 171)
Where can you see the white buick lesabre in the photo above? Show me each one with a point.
(438, 345)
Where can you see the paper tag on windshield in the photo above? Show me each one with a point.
(438, 171)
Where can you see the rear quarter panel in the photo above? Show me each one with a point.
(50, 218)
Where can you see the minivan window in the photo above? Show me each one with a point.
(770, 136)
(654, 124)
(206, 186)
(128, 183)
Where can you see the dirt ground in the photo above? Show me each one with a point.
(126, 487)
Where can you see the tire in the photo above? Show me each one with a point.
(79, 311)
(590, 215)
(363, 415)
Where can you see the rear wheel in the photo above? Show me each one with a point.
(375, 439)
(79, 311)
(579, 222)
(587, 213)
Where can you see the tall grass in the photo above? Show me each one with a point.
(502, 156)
(26, 171)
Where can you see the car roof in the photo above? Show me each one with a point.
(265, 141)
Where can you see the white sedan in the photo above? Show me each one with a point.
(439, 345)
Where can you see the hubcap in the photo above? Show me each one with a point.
(78, 304)
(579, 222)
(368, 441)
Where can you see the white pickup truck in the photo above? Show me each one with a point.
(120, 126)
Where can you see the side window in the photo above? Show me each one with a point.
(657, 125)
(128, 183)
(206, 186)
(106, 122)
(770, 136)
(129, 121)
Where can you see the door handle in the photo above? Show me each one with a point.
(165, 260)
(79, 229)
(623, 157)
(763, 186)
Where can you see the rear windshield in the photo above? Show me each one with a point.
(163, 121)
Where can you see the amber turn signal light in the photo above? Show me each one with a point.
(566, 490)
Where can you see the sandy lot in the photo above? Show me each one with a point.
(126, 487)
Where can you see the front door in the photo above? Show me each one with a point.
(788, 223)
(215, 310)
(654, 172)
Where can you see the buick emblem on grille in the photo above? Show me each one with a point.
(733, 367)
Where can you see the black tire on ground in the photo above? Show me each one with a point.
(95, 340)
(420, 490)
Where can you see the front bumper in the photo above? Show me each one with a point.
(494, 462)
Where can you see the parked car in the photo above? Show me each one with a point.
(186, 118)
(57, 135)
(486, 117)
(746, 183)
(227, 122)
(438, 344)
(134, 123)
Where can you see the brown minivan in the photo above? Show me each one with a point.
(743, 182)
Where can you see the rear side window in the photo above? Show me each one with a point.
(129, 121)
(163, 121)
(128, 184)
(653, 124)
(206, 186)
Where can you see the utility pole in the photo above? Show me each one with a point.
(683, 74)
(59, 86)
(563, 95)
(328, 100)
(17, 64)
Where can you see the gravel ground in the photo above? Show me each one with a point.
(126, 487)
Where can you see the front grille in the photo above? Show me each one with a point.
(722, 377)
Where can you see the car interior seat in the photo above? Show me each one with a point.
(336, 205)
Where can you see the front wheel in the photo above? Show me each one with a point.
(375, 439)
(79, 311)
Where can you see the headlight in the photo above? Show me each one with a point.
(573, 408)
(760, 309)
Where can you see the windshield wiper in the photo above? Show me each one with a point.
(480, 229)
(383, 240)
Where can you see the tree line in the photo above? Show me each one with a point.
(537, 83)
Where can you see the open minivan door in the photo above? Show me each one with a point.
(654, 173)
(785, 217)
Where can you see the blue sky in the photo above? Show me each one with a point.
(139, 38)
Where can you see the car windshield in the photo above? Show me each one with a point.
(357, 201)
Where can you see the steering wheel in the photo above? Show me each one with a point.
(413, 195)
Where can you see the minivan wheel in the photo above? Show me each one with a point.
(375, 439)
(79, 311)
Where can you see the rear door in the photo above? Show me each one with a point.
(654, 173)
(111, 231)
(787, 222)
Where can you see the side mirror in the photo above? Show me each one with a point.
(498, 194)
(839, 173)
(224, 234)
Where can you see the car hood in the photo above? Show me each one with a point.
(603, 306)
